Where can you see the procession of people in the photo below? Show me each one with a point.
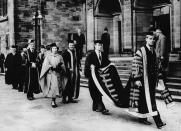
(57, 75)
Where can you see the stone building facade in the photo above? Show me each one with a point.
(129, 20)
(60, 18)
(126, 20)
(6, 25)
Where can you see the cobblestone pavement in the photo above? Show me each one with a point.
(19, 114)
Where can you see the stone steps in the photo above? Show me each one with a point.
(174, 79)
(124, 69)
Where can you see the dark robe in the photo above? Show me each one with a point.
(41, 58)
(12, 64)
(73, 84)
(96, 96)
(23, 72)
(2, 58)
(33, 74)
(105, 38)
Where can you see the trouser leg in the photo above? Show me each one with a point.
(30, 92)
(157, 120)
(15, 85)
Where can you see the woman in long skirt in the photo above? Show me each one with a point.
(52, 77)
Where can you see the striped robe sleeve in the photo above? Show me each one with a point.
(137, 74)
(137, 66)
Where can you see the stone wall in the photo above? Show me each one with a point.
(60, 17)
(63, 17)
(143, 20)
(7, 29)
(90, 25)
(4, 29)
(100, 24)
(127, 25)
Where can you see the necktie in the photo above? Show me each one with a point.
(151, 49)
(100, 58)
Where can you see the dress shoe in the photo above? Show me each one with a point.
(76, 98)
(30, 98)
(94, 109)
(72, 101)
(160, 125)
(20, 90)
(105, 112)
(64, 101)
(98, 110)
(145, 122)
(53, 104)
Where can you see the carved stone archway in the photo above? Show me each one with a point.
(107, 13)
(149, 3)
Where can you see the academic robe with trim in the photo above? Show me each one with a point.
(33, 74)
(71, 63)
(144, 69)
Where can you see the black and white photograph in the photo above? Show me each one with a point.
(90, 65)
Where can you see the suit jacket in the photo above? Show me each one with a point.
(161, 46)
(92, 59)
(105, 38)
(80, 40)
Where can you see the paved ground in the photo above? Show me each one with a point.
(19, 114)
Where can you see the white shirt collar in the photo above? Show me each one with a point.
(97, 52)
(150, 48)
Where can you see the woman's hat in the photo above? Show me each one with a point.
(14, 46)
(53, 45)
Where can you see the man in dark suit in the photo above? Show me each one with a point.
(105, 38)
(79, 43)
(162, 53)
(96, 59)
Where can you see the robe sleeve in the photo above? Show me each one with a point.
(87, 70)
(137, 75)
(137, 66)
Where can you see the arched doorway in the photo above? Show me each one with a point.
(157, 12)
(108, 14)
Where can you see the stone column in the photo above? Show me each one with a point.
(127, 40)
(11, 21)
(180, 26)
(90, 26)
(115, 35)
